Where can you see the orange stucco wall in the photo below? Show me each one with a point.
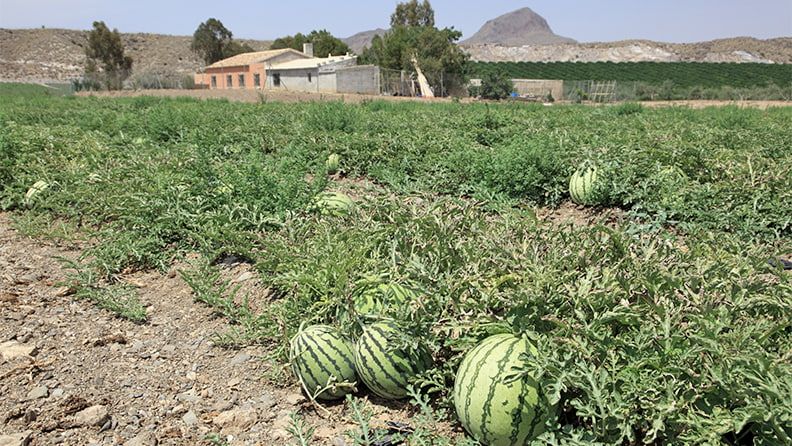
(204, 80)
(221, 76)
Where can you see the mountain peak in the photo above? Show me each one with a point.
(517, 28)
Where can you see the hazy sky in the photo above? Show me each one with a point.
(591, 20)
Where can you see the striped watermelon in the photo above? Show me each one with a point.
(334, 203)
(582, 185)
(332, 163)
(496, 409)
(378, 299)
(320, 356)
(384, 370)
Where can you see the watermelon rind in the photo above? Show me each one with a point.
(496, 404)
(324, 362)
(384, 369)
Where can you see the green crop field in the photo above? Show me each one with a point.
(683, 74)
(655, 313)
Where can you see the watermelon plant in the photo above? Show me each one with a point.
(659, 321)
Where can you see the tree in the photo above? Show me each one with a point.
(212, 41)
(413, 13)
(413, 33)
(323, 42)
(494, 85)
(105, 60)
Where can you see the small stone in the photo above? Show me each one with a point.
(339, 441)
(20, 439)
(240, 358)
(236, 420)
(56, 393)
(12, 350)
(294, 399)
(144, 439)
(37, 393)
(188, 397)
(267, 401)
(92, 416)
(190, 419)
(244, 277)
(192, 376)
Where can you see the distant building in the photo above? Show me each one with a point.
(244, 71)
(291, 70)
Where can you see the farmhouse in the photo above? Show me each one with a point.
(291, 70)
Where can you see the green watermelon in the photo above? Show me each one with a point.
(493, 407)
(386, 371)
(322, 357)
(582, 185)
(378, 299)
(334, 203)
(332, 163)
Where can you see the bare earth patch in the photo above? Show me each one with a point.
(73, 374)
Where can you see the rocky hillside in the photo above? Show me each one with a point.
(58, 54)
(517, 28)
(739, 50)
(363, 39)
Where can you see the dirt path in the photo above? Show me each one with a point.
(73, 374)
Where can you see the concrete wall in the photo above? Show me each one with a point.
(363, 79)
(294, 80)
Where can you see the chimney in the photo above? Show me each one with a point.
(308, 49)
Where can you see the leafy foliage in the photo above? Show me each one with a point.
(495, 85)
(413, 14)
(413, 34)
(324, 43)
(105, 60)
(212, 41)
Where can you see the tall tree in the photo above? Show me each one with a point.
(105, 60)
(413, 34)
(324, 43)
(412, 13)
(212, 41)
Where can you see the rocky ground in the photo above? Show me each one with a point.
(73, 374)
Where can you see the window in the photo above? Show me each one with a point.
(241, 80)
(256, 80)
(276, 79)
(309, 77)
(214, 81)
(229, 81)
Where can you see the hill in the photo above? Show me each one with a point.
(58, 54)
(362, 39)
(517, 28)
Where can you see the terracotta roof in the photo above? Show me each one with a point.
(250, 58)
(310, 63)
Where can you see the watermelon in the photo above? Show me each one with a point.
(334, 203)
(494, 408)
(332, 163)
(582, 185)
(385, 370)
(378, 299)
(322, 357)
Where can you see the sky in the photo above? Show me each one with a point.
(585, 21)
